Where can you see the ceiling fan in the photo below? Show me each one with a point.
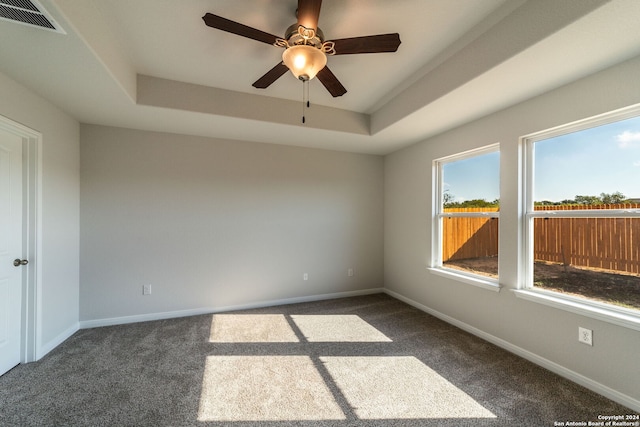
(305, 47)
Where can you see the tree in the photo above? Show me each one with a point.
(473, 203)
(604, 199)
(588, 200)
(613, 198)
(447, 197)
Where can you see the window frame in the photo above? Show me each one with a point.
(438, 215)
(580, 305)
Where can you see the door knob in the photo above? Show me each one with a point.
(18, 262)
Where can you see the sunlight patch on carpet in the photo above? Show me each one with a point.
(237, 328)
(337, 328)
(399, 388)
(265, 388)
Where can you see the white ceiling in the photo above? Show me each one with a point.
(154, 65)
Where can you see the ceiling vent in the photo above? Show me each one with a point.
(28, 12)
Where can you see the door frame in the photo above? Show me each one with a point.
(31, 236)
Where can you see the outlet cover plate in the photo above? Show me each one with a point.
(585, 336)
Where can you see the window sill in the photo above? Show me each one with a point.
(574, 305)
(480, 282)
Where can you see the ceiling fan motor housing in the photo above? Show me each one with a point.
(297, 34)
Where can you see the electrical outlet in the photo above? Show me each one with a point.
(146, 289)
(585, 336)
(305, 276)
(350, 272)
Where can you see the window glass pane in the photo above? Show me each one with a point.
(470, 244)
(594, 258)
(471, 185)
(472, 182)
(598, 257)
(589, 167)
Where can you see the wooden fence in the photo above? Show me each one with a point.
(607, 243)
(469, 237)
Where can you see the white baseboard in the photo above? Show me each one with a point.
(44, 349)
(86, 324)
(577, 378)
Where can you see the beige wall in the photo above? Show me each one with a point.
(212, 223)
(543, 333)
(60, 157)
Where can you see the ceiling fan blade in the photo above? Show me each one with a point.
(233, 27)
(331, 82)
(367, 44)
(308, 13)
(271, 76)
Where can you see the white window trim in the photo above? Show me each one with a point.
(601, 311)
(477, 280)
(436, 266)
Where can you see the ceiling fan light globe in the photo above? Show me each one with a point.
(299, 62)
(304, 61)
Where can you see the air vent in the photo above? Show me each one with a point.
(28, 12)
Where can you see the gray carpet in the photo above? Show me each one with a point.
(363, 361)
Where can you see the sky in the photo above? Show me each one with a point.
(477, 177)
(605, 159)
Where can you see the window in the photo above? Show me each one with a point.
(582, 216)
(465, 221)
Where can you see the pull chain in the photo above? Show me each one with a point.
(305, 97)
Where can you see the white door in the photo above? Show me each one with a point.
(10, 249)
